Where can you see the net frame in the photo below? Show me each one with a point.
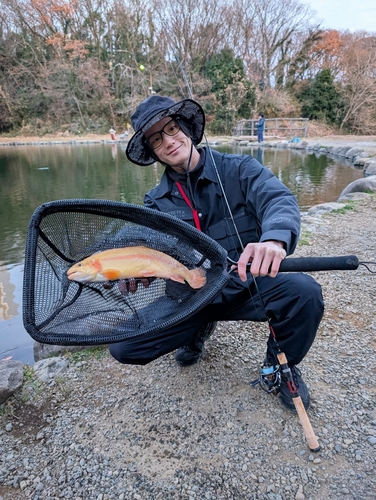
(61, 233)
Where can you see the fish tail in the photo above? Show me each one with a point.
(197, 278)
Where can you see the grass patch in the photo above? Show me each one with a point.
(304, 238)
(6, 410)
(31, 387)
(87, 354)
(349, 206)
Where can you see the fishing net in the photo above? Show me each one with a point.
(59, 311)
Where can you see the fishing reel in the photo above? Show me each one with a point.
(269, 379)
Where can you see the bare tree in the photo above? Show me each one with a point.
(359, 81)
(193, 30)
(275, 26)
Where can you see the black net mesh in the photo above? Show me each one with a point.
(63, 312)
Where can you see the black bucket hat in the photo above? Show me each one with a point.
(153, 109)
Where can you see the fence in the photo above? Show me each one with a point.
(274, 127)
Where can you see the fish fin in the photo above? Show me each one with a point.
(197, 278)
(111, 274)
(148, 274)
(177, 278)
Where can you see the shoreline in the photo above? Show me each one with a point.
(367, 143)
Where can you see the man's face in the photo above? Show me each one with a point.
(175, 149)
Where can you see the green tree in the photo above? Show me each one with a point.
(320, 98)
(234, 94)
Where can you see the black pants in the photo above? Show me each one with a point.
(293, 302)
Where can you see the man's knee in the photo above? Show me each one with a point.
(303, 295)
(124, 354)
(310, 289)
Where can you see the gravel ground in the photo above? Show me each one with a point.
(107, 431)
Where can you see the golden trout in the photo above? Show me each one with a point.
(134, 262)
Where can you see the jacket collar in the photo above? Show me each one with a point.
(166, 185)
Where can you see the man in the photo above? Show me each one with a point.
(248, 201)
(260, 128)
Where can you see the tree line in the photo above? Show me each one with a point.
(80, 66)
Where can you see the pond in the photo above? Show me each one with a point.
(32, 175)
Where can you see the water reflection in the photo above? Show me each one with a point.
(259, 156)
(314, 178)
(32, 175)
(8, 306)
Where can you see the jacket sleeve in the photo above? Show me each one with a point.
(149, 201)
(271, 202)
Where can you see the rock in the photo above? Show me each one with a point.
(301, 145)
(324, 207)
(353, 152)
(360, 186)
(43, 351)
(11, 378)
(361, 161)
(354, 196)
(299, 494)
(308, 219)
(369, 161)
(48, 369)
(341, 150)
(370, 168)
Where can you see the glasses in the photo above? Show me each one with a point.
(156, 140)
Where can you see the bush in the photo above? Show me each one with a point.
(278, 103)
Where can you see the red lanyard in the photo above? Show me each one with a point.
(194, 210)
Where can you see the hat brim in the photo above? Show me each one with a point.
(188, 109)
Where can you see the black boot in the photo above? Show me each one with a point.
(192, 353)
(284, 392)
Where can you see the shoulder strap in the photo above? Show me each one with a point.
(194, 210)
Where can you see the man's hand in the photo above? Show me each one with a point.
(265, 257)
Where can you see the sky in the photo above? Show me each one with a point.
(345, 14)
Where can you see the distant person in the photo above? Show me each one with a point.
(260, 128)
(112, 132)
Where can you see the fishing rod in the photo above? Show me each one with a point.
(284, 369)
(313, 264)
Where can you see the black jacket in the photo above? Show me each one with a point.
(263, 207)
